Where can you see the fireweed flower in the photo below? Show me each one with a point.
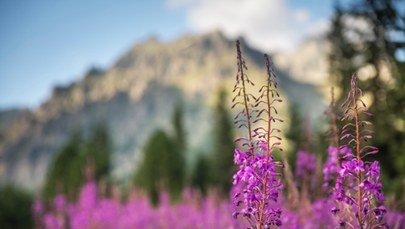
(257, 182)
(330, 167)
(305, 164)
(92, 211)
(38, 207)
(253, 173)
(358, 191)
(336, 154)
(59, 202)
(332, 164)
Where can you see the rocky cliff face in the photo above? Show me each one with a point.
(134, 97)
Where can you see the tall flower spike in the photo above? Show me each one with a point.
(332, 133)
(242, 98)
(268, 97)
(257, 182)
(357, 185)
(357, 131)
(332, 163)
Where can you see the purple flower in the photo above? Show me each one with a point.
(335, 210)
(239, 156)
(88, 195)
(38, 207)
(330, 167)
(59, 202)
(258, 184)
(348, 187)
(305, 163)
(373, 170)
(395, 219)
(52, 222)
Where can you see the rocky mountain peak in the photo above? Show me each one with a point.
(134, 97)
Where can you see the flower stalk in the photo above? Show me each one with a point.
(357, 184)
(257, 179)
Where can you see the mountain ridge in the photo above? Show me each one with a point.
(138, 92)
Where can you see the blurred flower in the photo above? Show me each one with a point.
(305, 163)
(38, 207)
(59, 202)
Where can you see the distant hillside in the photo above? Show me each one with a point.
(307, 64)
(134, 97)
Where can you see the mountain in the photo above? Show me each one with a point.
(308, 63)
(134, 97)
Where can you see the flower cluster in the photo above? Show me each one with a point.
(305, 164)
(94, 211)
(260, 185)
(358, 190)
(332, 164)
(395, 219)
(257, 179)
(348, 193)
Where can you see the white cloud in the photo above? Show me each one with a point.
(319, 28)
(268, 24)
(178, 3)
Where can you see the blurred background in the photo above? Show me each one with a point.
(137, 93)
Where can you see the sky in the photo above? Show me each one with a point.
(47, 43)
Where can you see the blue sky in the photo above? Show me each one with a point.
(45, 43)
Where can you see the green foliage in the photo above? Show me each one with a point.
(177, 155)
(374, 49)
(15, 208)
(222, 166)
(152, 173)
(75, 160)
(321, 142)
(200, 177)
(163, 165)
(65, 175)
(179, 131)
(294, 134)
(97, 151)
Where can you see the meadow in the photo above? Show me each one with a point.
(341, 191)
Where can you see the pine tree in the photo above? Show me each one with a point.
(177, 161)
(97, 151)
(152, 174)
(15, 208)
(163, 165)
(222, 156)
(294, 134)
(178, 125)
(65, 174)
(200, 175)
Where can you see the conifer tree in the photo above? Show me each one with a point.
(152, 174)
(97, 151)
(163, 164)
(294, 134)
(222, 156)
(65, 174)
(177, 163)
(15, 208)
(200, 175)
